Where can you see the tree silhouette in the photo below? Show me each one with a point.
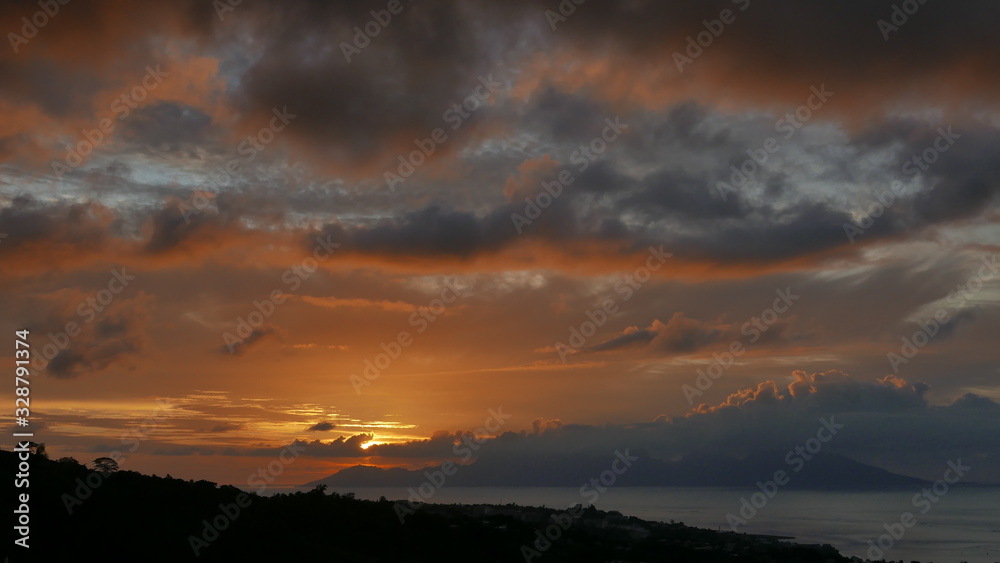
(38, 449)
(105, 465)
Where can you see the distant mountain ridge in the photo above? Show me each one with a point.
(824, 471)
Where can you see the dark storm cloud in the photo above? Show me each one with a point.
(601, 178)
(28, 220)
(785, 39)
(173, 224)
(60, 91)
(766, 234)
(840, 43)
(684, 124)
(78, 53)
(429, 57)
(214, 218)
(965, 179)
(167, 125)
(701, 226)
(773, 39)
(565, 118)
(957, 167)
(675, 193)
(961, 183)
(322, 427)
(118, 335)
(433, 230)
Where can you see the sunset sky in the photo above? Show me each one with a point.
(567, 212)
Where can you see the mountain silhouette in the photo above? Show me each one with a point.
(824, 471)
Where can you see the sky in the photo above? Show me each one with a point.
(367, 231)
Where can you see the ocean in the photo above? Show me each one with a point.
(962, 525)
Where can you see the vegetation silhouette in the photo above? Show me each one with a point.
(135, 517)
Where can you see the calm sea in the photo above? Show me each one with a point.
(964, 525)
